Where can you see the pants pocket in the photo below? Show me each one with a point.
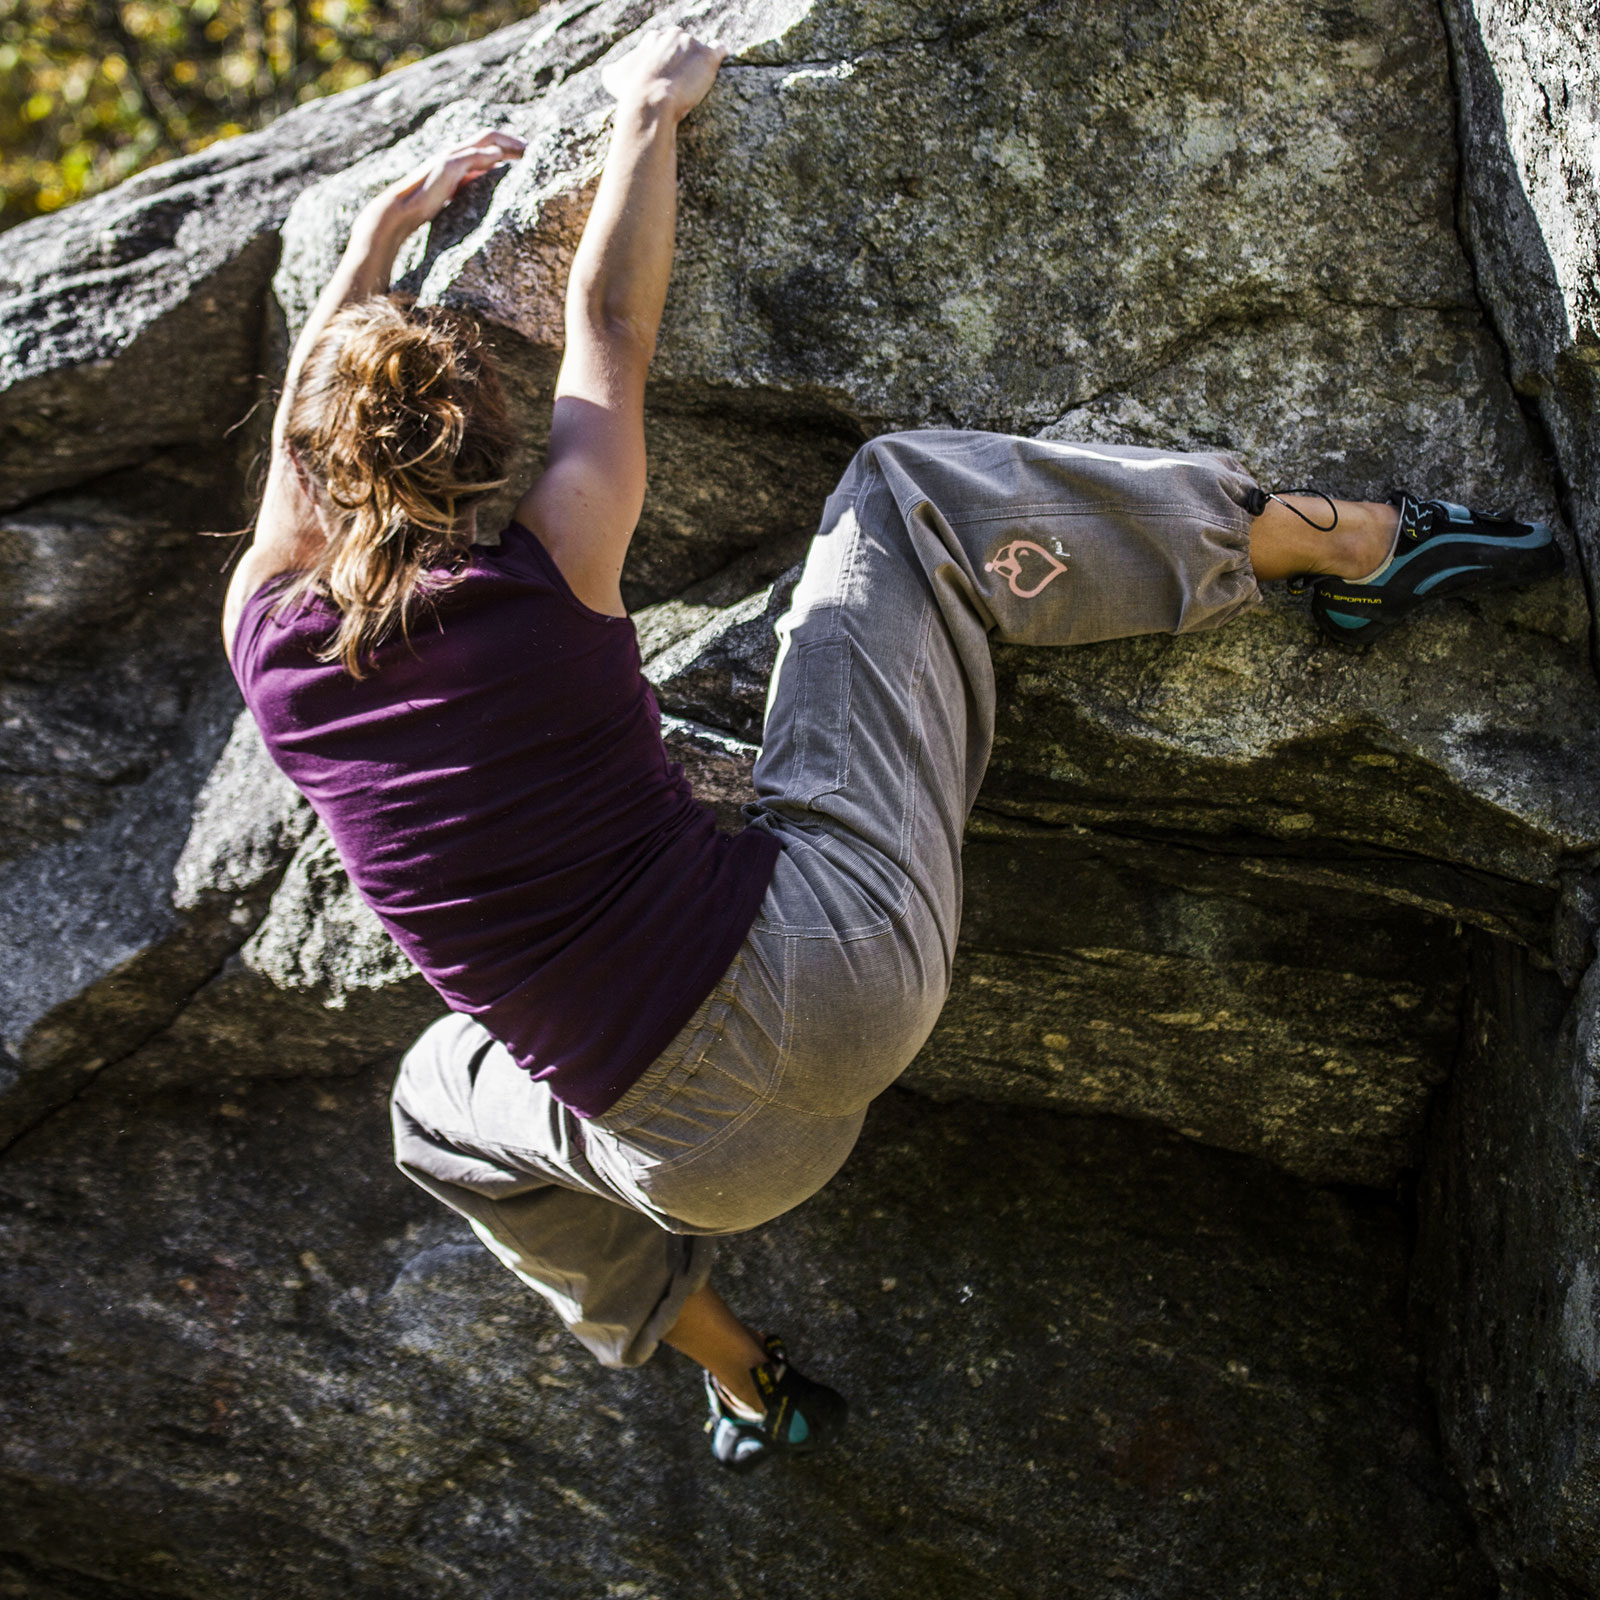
(806, 745)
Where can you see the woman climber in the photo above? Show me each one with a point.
(658, 1032)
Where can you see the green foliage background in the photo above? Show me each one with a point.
(93, 90)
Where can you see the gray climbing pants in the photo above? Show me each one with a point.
(880, 719)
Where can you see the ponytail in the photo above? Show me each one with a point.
(400, 422)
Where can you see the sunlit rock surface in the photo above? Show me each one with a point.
(1307, 918)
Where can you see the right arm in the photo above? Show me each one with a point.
(586, 504)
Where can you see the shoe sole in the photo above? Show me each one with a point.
(770, 1448)
(827, 1414)
(1358, 630)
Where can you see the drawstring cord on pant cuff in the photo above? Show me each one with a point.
(1319, 526)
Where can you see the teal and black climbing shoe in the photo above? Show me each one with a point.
(1440, 549)
(798, 1416)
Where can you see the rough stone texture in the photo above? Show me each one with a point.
(1510, 1245)
(94, 680)
(1239, 885)
(181, 872)
(1507, 1282)
(114, 711)
(1529, 82)
(1191, 991)
(720, 671)
(1129, 1366)
(154, 293)
(1419, 776)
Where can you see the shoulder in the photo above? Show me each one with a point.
(249, 593)
(286, 539)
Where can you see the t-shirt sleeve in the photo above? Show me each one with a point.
(522, 552)
(519, 548)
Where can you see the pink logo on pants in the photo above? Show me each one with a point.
(1008, 563)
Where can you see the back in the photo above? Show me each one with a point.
(499, 793)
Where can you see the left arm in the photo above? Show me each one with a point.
(287, 531)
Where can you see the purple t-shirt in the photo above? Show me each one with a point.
(499, 793)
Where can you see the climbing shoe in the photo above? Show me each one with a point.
(798, 1415)
(1440, 549)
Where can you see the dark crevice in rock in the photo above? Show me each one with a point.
(28, 1577)
(109, 780)
(88, 486)
(585, 59)
(85, 1079)
(1506, 907)
(1532, 413)
(1242, 841)
(1504, 1309)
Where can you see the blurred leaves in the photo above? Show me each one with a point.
(93, 90)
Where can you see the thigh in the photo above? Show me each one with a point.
(879, 717)
(810, 1029)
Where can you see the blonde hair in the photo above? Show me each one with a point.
(400, 422)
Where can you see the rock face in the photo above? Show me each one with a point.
(1510, 1223)
(1311, 919)
(1505, 1282)
(339, 1391)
